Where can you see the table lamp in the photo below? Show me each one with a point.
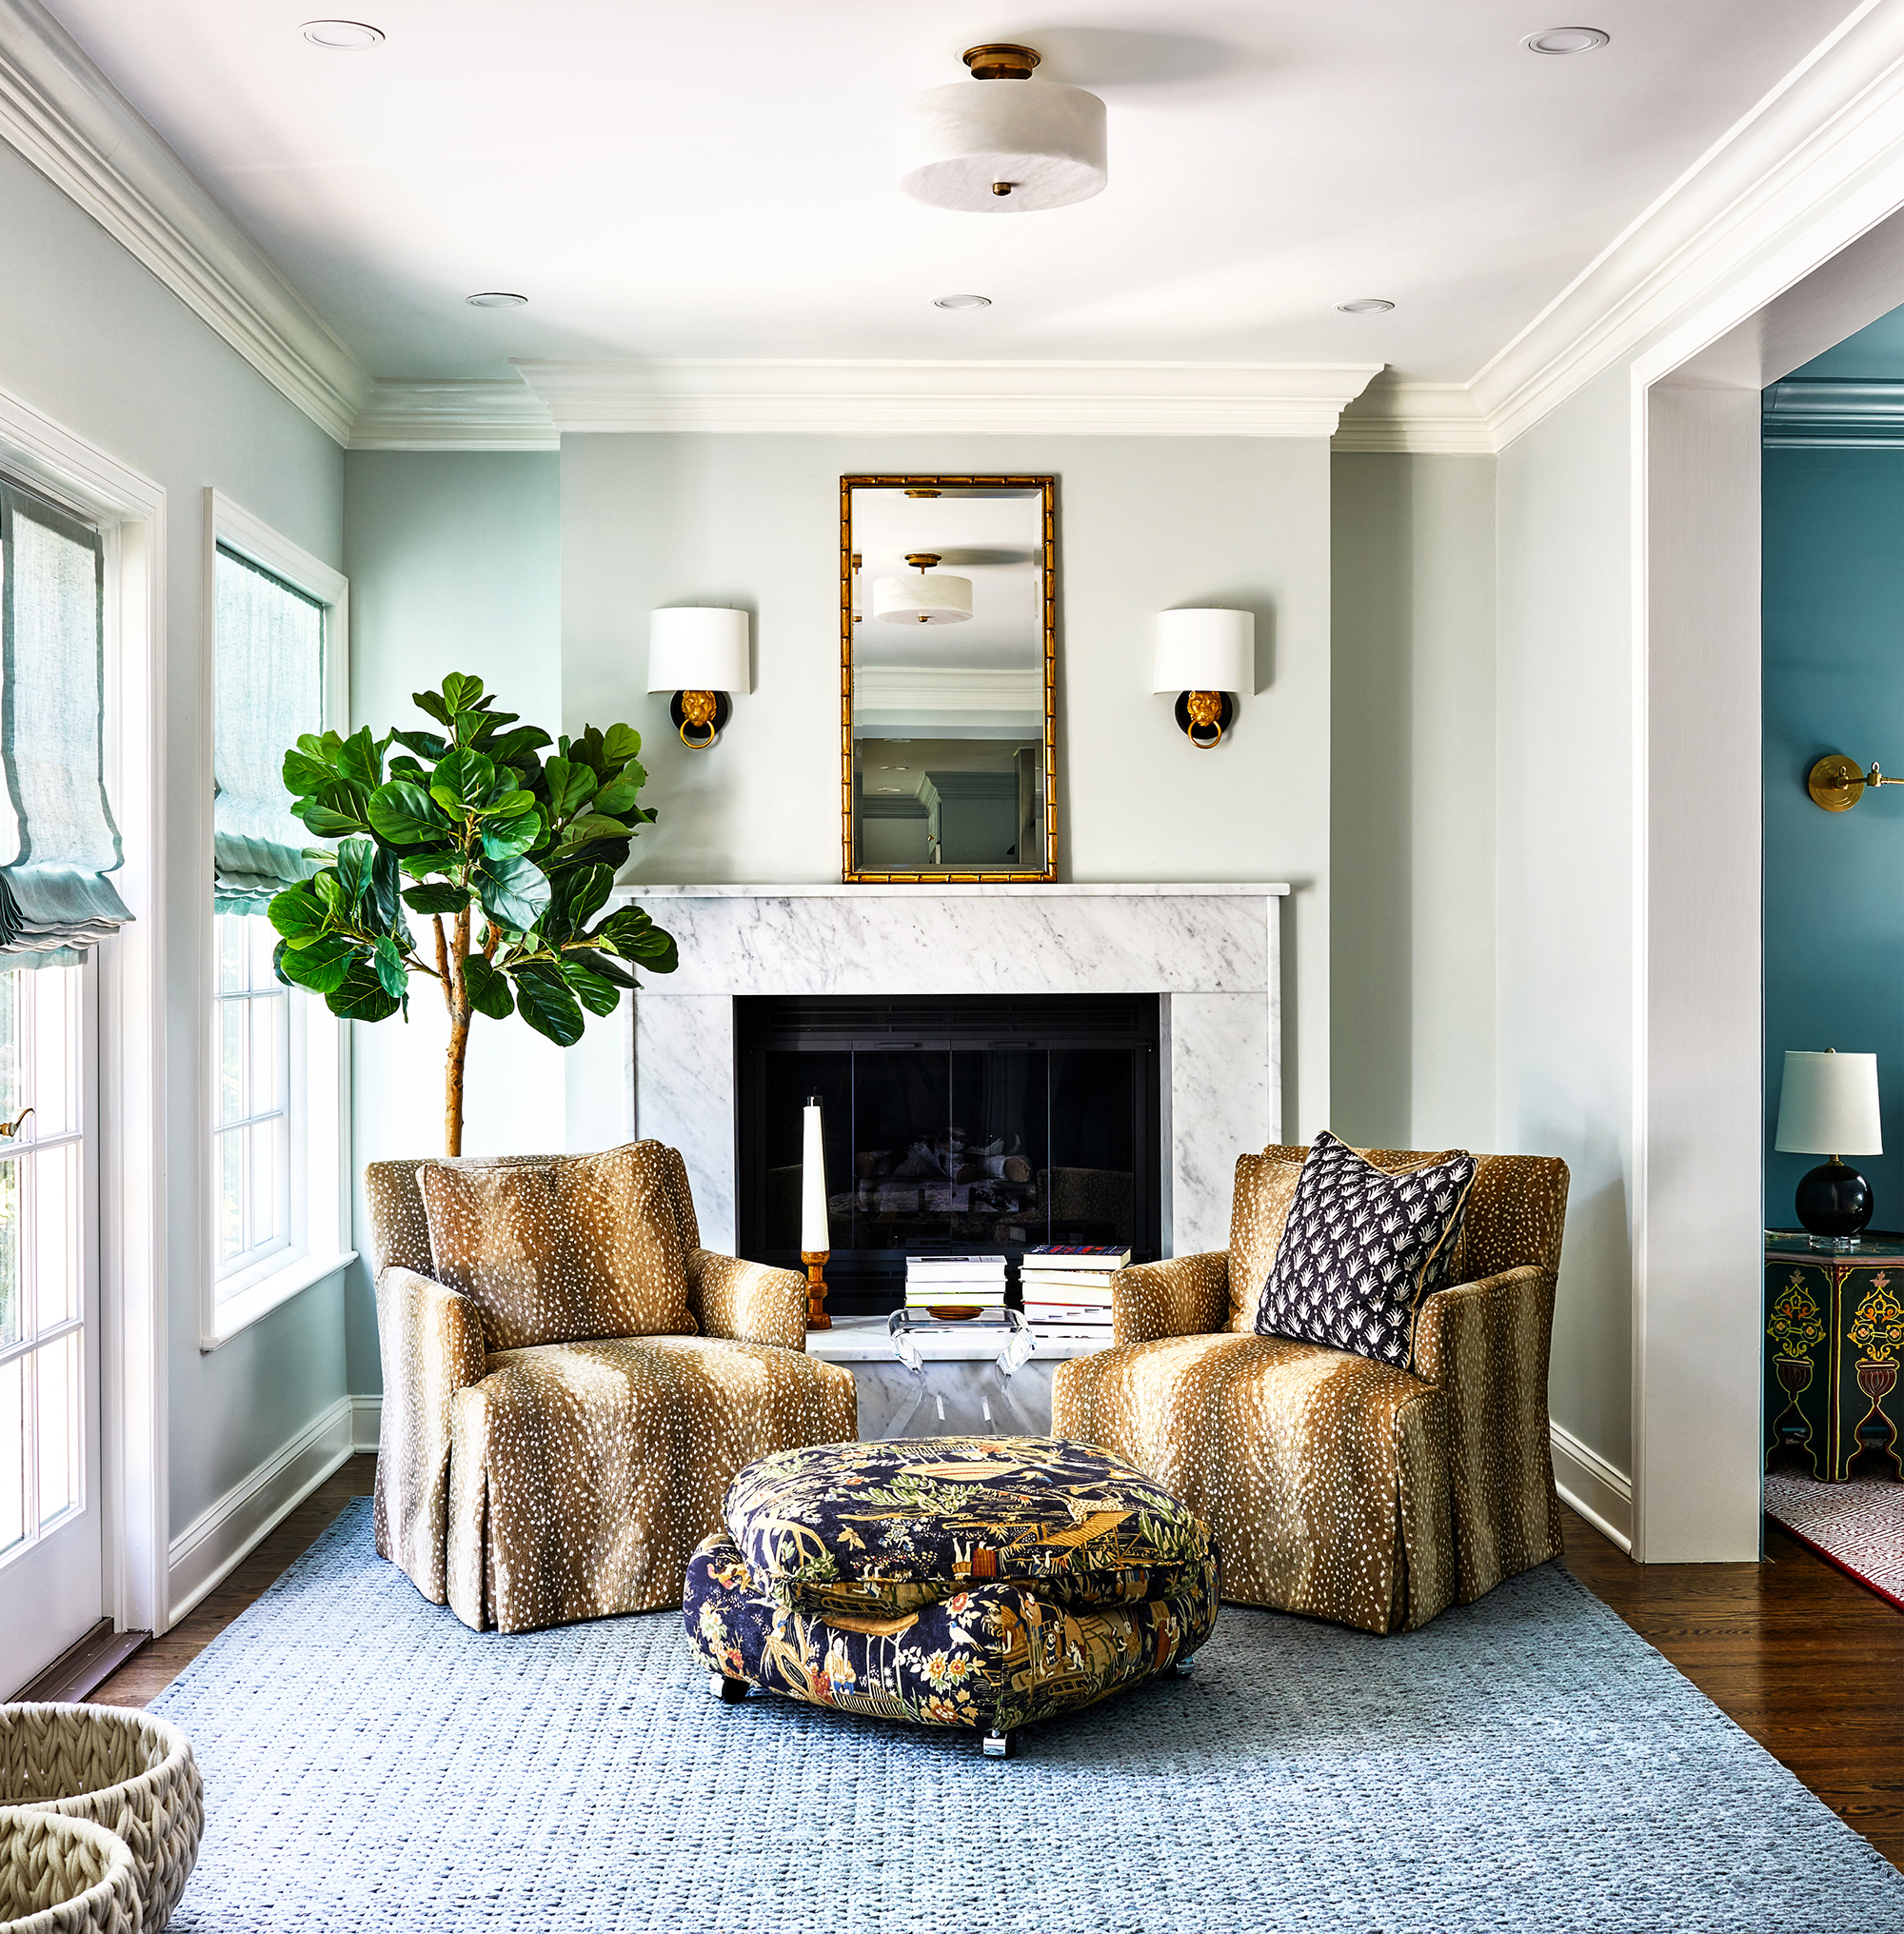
(815, 1239)
(1828, 1105)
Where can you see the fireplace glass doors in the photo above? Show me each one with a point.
(955, 1124)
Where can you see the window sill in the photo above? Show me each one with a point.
(242, 1310)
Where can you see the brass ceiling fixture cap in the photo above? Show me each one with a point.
(1000, 61)
(923, 560)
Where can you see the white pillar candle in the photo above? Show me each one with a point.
(814, 1238)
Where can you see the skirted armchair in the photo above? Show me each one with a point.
(1336, 1485)
(570, 1381)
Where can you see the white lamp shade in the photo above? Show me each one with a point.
(930, 598)
(1828, 1104)
(1046, 140)
(695, 648)
(813, 1231)
(1204, 651)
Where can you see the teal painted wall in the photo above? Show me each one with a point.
(1834, 882)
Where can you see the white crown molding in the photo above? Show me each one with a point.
(1415, 419)
(425, 414)
(66, 118)
(1833, 414)
(1047, 399)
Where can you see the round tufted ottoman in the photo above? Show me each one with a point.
(978, 1581)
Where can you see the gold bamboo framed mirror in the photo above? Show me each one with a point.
(949, 667)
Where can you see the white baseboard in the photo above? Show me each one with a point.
(367, 1416)
(219, 1537)
(1589, 1484)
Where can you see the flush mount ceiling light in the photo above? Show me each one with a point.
(495, 298)
(342, 36)
(1002, 142)
(962, 302)
(1366, 305)
(931, 598)
(1566, 40)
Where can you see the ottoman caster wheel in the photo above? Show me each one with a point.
(732, 1691)
(1000, 1745)
(1183, 1664)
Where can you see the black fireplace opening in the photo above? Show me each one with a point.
(954, 1125)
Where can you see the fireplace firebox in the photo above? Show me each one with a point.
(954, 1125)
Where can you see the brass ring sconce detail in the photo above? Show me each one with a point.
(700, 717)
(1204, 717)
(1838, 784)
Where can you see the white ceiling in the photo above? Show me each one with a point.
(716, 179)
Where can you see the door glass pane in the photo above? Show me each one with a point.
(58, 1364)
(13, 1290)
(13, 1452)
(53, 1234)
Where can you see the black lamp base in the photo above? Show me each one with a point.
(1834, 1203)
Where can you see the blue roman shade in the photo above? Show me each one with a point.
(56, 825)
(269, 686)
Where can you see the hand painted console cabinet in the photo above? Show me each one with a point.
(1834, 1338)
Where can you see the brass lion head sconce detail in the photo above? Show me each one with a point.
(699, 654)
(1204, 656)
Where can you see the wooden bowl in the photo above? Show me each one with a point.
(953, 1312)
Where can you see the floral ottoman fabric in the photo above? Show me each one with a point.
(952, 1581)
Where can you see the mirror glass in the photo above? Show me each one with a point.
(948, 631)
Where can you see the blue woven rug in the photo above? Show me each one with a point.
(1528, 1763)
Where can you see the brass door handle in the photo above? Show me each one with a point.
(12, 1129)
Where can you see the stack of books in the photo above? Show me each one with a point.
(956, 1283)
(1067, 1289)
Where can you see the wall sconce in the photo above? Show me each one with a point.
(1204, 656)
(699, 654)
(1838, 784)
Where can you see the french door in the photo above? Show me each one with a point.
(51, 1574)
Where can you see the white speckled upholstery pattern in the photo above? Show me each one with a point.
(528, 1486)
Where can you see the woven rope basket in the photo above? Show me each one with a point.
(63, 1875)
(124, 1770)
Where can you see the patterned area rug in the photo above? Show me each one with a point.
(1526, 1763)
(1860, 1527)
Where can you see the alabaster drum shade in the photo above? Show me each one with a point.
(1205, 650)
(931, 598)
(694, 648)
(1046, 141)
(1828, 1104)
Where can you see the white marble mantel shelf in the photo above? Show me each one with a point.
(1030, 890)
(866, 1340)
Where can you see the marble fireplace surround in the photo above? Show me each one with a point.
(1212, 952)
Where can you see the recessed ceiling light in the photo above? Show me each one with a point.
(495, 298)
(1566, 40)
(962, 302)
(1365, 304)
(342, 36)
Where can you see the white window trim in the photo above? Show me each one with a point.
(129, 509)
(320, 1044)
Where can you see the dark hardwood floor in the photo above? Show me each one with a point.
(1810, 1664)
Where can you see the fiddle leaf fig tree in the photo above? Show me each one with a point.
(503, 860)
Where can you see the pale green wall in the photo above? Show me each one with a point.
(1412, 833)
(1144, 522)
(453, 560)
(1563, 771)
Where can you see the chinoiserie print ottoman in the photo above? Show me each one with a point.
(978, 1581)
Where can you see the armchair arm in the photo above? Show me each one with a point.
(431, 1340)
(746, 1301)
(1186, 1296)
(1485, 1346)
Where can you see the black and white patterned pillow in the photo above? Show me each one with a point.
(1361, 1250)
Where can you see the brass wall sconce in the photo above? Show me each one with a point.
(700, 654)
(1204, 656)
(1838, 784)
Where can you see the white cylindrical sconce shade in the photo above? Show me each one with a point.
(1205, 650)
(931, 598)
(814, 1237)
(1828, 1104)
(1043, 142)
(697, 648)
